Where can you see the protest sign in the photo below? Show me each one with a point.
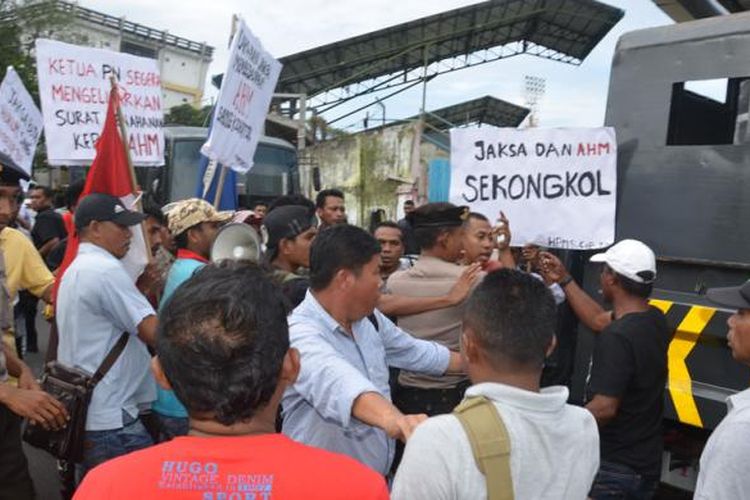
(246, 91)
(74, 87)
(558, 187)
(20, 121)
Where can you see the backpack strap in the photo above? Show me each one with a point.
(490, 444)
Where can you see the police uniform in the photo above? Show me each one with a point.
(431, 277)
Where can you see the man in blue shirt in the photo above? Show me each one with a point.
(341, 400)
(97, 302)
(194, 224)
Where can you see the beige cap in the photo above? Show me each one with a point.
(183, 215)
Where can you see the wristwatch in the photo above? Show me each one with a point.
(566, 281)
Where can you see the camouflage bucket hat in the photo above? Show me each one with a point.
(183, 215)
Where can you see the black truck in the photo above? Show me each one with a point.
(679, 99)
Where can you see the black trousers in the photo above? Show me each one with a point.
(15, 481)
(28, 304)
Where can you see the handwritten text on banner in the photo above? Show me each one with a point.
(558, 187)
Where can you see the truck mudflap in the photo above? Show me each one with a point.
(702, 372)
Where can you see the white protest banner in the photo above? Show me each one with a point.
(20, 121)
(558, 187)
(74, 86)
(246, 91)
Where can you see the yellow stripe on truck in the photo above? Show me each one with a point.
(680, 384)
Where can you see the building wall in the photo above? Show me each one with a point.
(183, 72)
(374, 169)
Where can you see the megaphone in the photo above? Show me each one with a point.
(236, 241)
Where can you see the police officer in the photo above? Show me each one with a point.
(439, 229)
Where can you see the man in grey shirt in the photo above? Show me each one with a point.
(724, 459)
(341, 400)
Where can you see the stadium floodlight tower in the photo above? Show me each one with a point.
(534, 88)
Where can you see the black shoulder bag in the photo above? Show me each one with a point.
(73, 387)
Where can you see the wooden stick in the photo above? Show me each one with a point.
(220, 187)
(133, 179)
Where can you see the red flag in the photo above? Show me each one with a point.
(109, 174)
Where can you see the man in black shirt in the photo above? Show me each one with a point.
(625, 390)
(411, 247)
(47, 232)
(48, 227)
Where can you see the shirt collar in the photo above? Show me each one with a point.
(319, 311)
(184, 253)
(739, 400)
(86, 248)
(549, 399)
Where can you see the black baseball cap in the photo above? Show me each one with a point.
(10, 171)
(734, 297)
(105, 207)
(287, 222)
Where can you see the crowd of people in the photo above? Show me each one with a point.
(406, 362)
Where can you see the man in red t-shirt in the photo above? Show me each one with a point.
(223, 347)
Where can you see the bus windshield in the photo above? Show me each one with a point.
(274, 172)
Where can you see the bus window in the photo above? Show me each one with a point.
(274, 172)
(186, 158)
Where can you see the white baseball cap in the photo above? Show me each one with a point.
(630, 258)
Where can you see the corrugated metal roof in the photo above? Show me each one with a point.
(485, 110)
(564, 30)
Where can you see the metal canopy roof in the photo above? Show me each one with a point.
(485, 110)
(561, 30)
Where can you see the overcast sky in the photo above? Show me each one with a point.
(575, 95)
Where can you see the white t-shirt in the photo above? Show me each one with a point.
(554, 450)
(723, 467)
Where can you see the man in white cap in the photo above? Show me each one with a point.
(625, 390)
(722, 473)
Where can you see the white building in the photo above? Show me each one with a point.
(183, 63)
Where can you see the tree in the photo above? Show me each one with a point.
(21, 23)
(187, 115)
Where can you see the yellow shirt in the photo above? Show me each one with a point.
(24, 270)
(24, 267)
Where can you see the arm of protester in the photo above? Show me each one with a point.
(48, 246)
(417, 355)
(19, 369)
(326, 381)
(612, 369)
(35, 276)
(147, 330)
(401, 305)
(503, 236)
(35, 405)
(28, 400)
(587, 309)
(373, 409)
(127, 307)
(456, 364)
(150, 282)
(47, 294)
(603, 408)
